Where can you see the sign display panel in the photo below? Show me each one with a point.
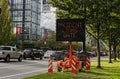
(70, 30)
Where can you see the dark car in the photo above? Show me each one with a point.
(58, 55)
(41, 52)
(32, 53)
(92, 53)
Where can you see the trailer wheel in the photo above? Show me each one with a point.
(59, 69)
(81, 67)
(80, 70)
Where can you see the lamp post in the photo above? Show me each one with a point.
(45, 44)
(45, 37)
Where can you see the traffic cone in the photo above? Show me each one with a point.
(66, 61)
(50, 66)
(88, 63)
(73, 66)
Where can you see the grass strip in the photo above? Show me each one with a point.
(107, 71)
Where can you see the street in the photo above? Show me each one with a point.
(101, 57)
(18, 70)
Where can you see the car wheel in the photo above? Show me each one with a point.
(24, 58)
(41, 58)
(59, 69)
(20, 59)
(33, 57)
(7, 59)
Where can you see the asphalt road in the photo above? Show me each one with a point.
(19, 70)
(101, 57)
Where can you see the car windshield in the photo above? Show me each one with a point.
(26, 50)
(50, 52)
(4, 48)
(35, 50)
(40, 50)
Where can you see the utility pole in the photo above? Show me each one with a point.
(23, 20)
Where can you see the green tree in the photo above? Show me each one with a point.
(5, 23)
(95, 12)
(112, 18)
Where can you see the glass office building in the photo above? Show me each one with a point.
(26, 15)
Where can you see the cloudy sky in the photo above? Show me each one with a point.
(48, 20)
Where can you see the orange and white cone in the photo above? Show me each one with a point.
(50, 66)
(66, 61)
(88, 63)
(73, 66)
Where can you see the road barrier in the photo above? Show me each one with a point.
(50, 66)
(66, 62)
(73, 66)
(88, 62)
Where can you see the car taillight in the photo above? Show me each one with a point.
(3, 53)
(32, 53)
(23, 53)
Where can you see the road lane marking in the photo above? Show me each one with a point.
(18, 65)
(14, 65)
(23, 73)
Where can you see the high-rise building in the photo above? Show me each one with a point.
(26, 15)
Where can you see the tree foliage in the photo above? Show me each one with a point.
(51, 43)
(5, 23)
(100, 15)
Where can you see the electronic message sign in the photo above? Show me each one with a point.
(70, 30)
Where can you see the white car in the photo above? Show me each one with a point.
(92, 53)
(48, 53)
(10, 52)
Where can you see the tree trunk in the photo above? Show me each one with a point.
(98, 45)
(115, 55)
(98, 54)
(118, 54)
(110, 61)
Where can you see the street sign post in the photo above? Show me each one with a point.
(70, 30)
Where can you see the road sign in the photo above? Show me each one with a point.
(70, 30)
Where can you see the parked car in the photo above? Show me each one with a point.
(48, 53)
(92, 53)
(41, 52)
(32, 53)
(58, 55)
(10, 52)
(103, 53)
